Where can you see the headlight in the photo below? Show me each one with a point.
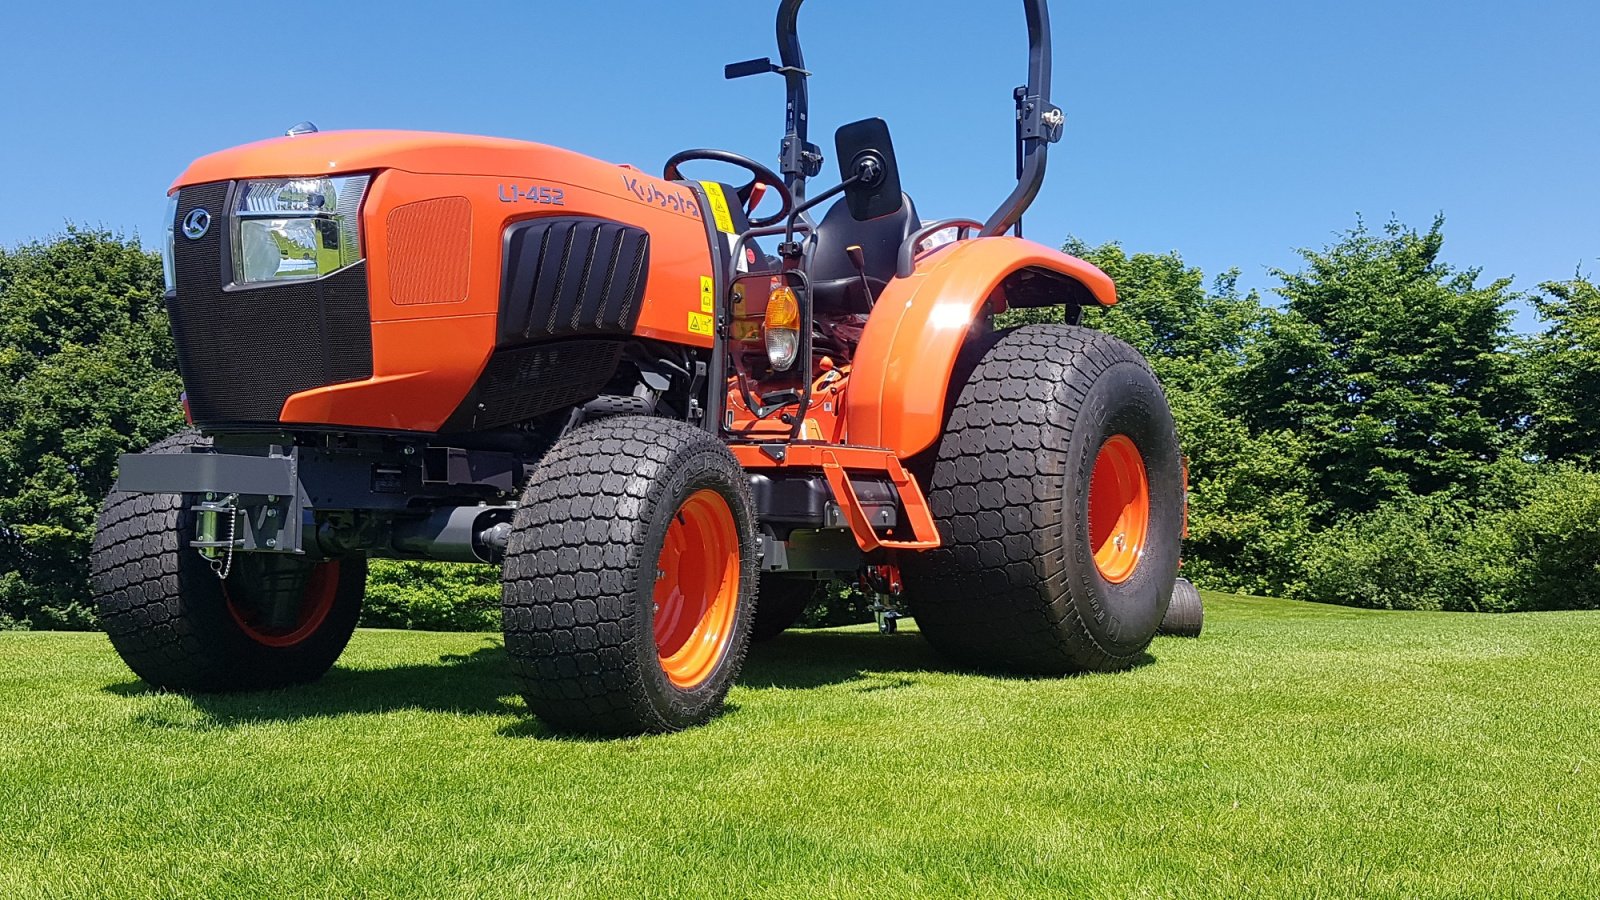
(167, 270)
(289, 228)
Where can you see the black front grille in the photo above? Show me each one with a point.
(570, 277)
(243, 351)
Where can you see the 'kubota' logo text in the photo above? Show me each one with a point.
(676, 201)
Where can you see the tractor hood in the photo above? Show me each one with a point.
(333, 152)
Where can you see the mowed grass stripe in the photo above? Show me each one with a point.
(1293, 750)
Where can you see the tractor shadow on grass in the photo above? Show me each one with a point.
(472, 684)
(480, 683)
(813, 659)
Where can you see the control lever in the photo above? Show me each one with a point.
(858, 259)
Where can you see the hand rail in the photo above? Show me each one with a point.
(1039, 122)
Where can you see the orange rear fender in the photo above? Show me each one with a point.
(904, 365)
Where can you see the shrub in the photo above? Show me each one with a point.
(1534, 545)
(431, 596)
(1250, 506)
(1545, 553)
(1402, 555)
(837, 603)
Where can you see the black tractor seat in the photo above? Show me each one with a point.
(836, 286)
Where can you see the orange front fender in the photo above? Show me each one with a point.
(904, 365)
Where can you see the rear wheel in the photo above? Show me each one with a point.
(275, 621)
(1186, 615)
(630, 578)
(780, 604)
(1058, 491)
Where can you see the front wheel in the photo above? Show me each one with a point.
(275, 621)
(629, 582)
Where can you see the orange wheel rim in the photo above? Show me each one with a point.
(697, 589)
(322, 588)
(1119, 509)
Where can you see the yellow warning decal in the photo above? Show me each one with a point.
(708, 293)
(700, 323)
(719, 206)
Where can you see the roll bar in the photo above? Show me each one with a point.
(1039, 122)
(798, 158)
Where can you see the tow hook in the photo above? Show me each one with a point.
(883, 582)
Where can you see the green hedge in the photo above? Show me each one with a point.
(432, 596)
(1541, 551)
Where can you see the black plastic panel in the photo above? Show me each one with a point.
(570, 277)
(242, 352)
(520, 383)
(802, 501)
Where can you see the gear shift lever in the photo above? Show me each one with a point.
(858, 259)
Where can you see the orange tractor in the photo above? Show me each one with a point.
(665, 416)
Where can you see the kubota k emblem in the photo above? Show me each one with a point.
(196, 223)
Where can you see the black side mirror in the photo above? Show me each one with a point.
(864, 150)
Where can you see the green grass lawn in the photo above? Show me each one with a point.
(1293, 750)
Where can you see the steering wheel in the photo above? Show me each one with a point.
(763, 176)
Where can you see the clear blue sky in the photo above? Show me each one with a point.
(1231, 132)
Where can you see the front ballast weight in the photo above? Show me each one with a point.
(249, 503)
(311, 505)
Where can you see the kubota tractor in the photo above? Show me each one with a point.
(665, 416)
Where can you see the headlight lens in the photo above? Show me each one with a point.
(292, 228)
(167, 270)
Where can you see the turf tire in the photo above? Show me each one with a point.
(781, 603)
(168, 615)
(581, 568)
(1015, 584)
(1185, 614)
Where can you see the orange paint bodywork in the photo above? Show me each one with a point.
(433, 334)
(825, 419)
(433, 233)
(903, 367)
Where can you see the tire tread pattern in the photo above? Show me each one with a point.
(164, 610)
(574, 608)
(997, 592)
(1185, 614)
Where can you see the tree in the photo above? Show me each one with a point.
(1563, 372)
(1191, 336)
(87, 372)
(1390, 364)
